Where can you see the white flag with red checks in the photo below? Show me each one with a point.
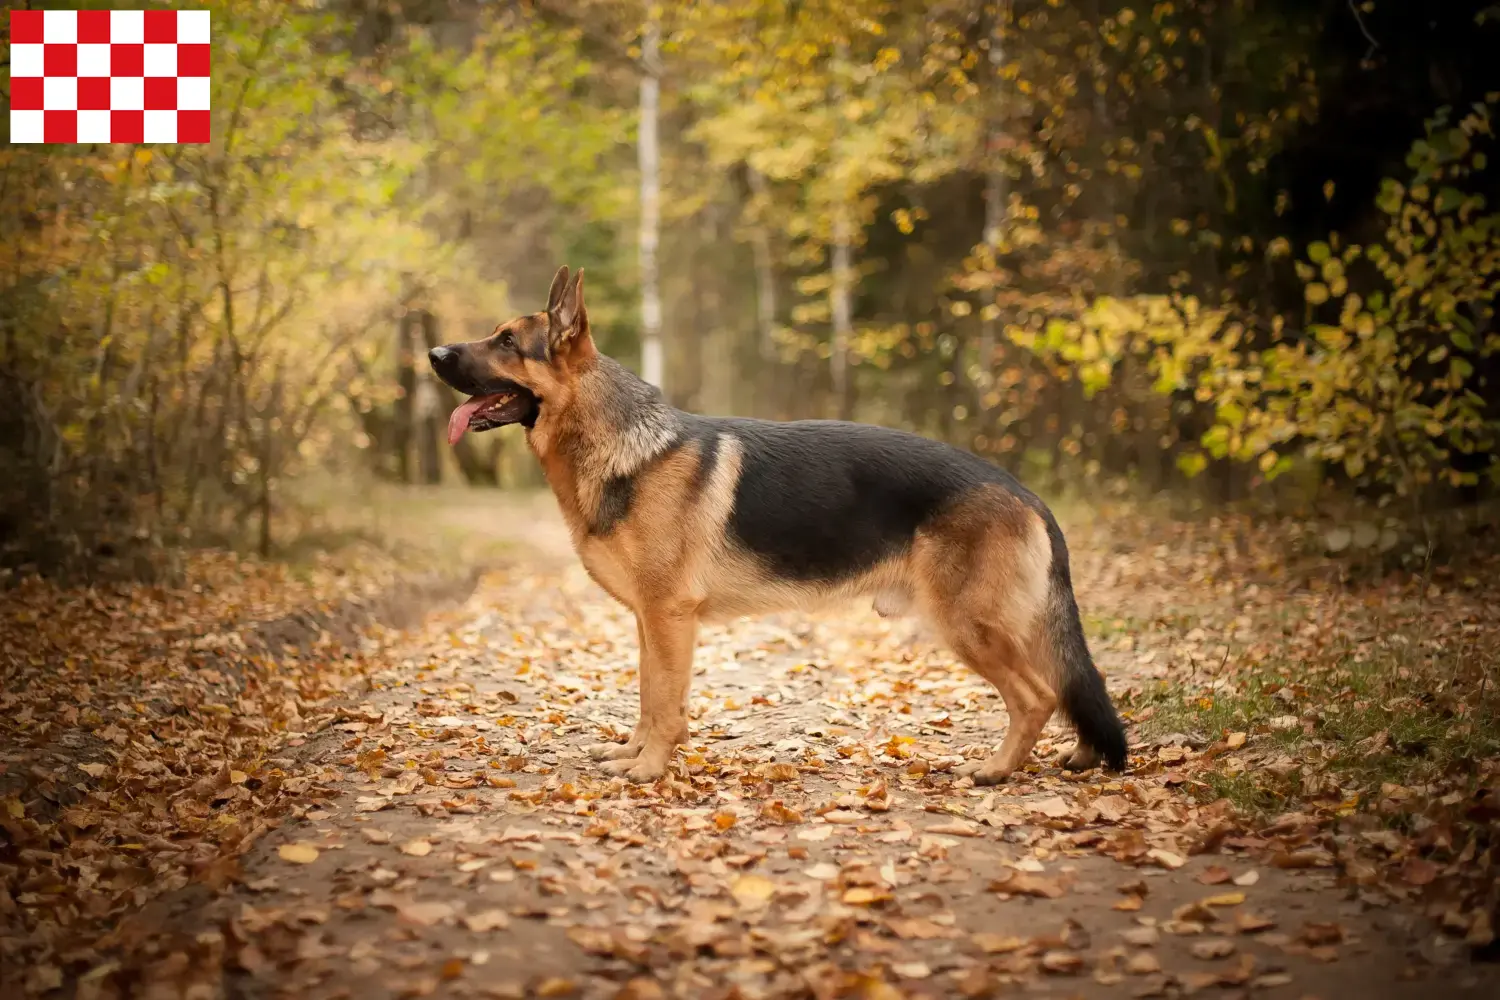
(109, 76)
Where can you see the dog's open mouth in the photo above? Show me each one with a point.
(496, 409)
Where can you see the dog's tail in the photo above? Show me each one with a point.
(1080, 686)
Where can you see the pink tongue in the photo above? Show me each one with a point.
(458, 421)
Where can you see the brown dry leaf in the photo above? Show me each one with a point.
(862, 895)
(916, 929)
(1143, 963)
(1055, 807)
(1026, 884)
(1214, 875)
(556, 987)
(452, 969)
(1141, 937)
(417, 848)
(1112, 808)
(299, 853)
(1225, 899)
(1212, 948)
(1252, 923)
(1247, 879)
(1062, 963)
(957, 828)
(486, 920)
(1418, 871)
(424, 914)
(1235, 740)
(998, 944)
(815, 834)
(1166, 858)
(1321, 933)
(375, 836)
(752, 891)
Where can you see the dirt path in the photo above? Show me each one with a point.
(812, 844)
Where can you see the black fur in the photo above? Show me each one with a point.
(1085, 701)
(614, 504)
(826, 500)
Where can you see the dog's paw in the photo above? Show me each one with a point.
(991, 775)
(620, 765)
(967, 770)
(644, 772)
(1081, 758)
(611, 751)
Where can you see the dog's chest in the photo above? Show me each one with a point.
(607, 567)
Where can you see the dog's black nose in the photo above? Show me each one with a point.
(441, 358)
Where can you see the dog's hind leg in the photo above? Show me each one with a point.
(631, 748)
(669, 634)
(981, 575)
(1029, 699)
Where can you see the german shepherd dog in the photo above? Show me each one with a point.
(685, 518)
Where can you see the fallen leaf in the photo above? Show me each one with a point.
(1212, 948)
(1054, 807)
(752, 891)
(1251, 923)
(486, 920)
(1418, 871)
(998, 944)
(1214, 875)
(1142, 963)
(1026, 884)
(957, 828)
(1064, 963)
(1246, 879)
(299, 853)
(1166, 859)
(417, 848)
(424, 914)
(1225, 899)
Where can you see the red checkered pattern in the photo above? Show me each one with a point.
(109, 76)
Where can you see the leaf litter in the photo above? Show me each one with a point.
(811, 840)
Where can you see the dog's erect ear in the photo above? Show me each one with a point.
(565, 309)
(559, 285)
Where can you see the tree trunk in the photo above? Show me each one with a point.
(406, 382)
(429, 424)
(841, 291)
(765, 274)
(652, 367)
(994, 195)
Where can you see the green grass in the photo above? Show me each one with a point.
(1359, 726)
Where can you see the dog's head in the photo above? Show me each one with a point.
(527, 364)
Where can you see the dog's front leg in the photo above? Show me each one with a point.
(631, 748)
(669, 631)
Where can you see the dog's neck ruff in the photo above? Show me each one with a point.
(624, 423)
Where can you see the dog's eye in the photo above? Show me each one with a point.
(506, 340)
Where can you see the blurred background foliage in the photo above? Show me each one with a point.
(1223, 248)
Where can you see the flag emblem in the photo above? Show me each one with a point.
(109, 76)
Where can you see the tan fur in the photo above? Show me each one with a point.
(979, 572)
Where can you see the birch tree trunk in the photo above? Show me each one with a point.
(840, 293)
(994, 193)
(648, 154)
(765, 274)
